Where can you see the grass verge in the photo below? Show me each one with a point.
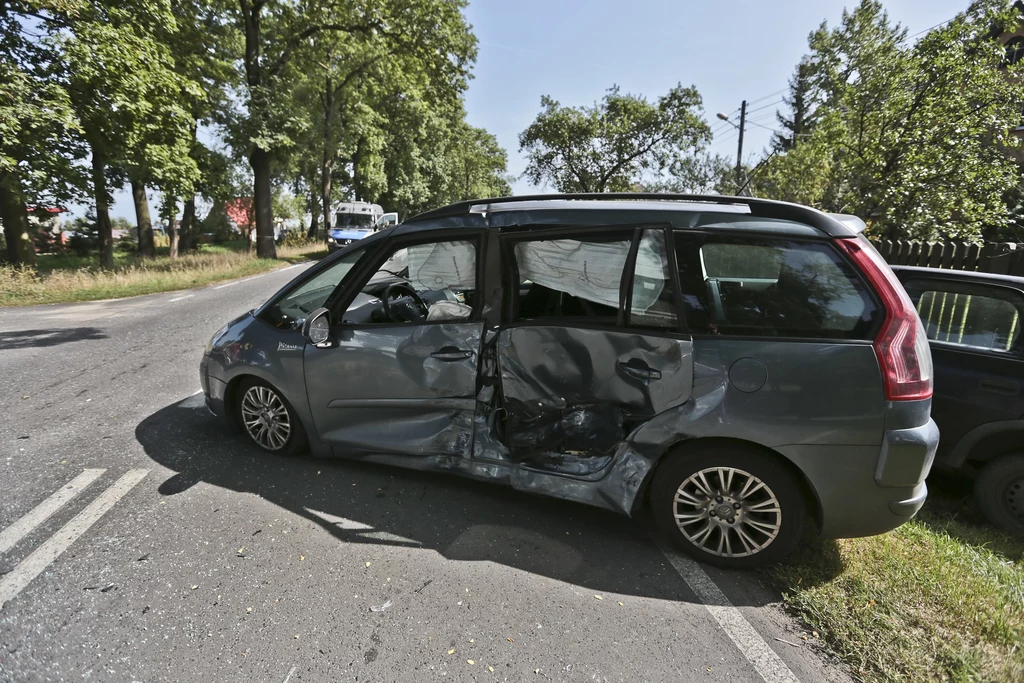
(939, 599)
(66, 278)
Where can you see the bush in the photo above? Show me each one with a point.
(295, 238)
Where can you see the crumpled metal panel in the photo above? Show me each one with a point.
(555, 368)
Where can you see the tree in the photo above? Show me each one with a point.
(125, 94)
(700, 173)
(800, 101)
(39, 143)
(910, 137)
(610, 145)
(434, 32)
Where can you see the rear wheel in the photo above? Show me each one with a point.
(729, 506)
(268, 419)
(999, 493)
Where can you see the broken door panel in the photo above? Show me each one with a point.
(580, 391)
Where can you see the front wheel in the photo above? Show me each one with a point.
(999, 493)
(729, 507)
(268, 419)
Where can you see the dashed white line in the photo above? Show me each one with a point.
(749, 642)
(34, 565)
(179, 298)
(229, 284)
(24, 526)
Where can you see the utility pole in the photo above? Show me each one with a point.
(739, 151)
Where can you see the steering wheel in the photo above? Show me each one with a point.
(405, 312)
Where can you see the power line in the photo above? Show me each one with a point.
(759, 99)
(765, 106)
(754, 123)
(941, 23)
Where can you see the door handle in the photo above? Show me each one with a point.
(1000, 386)
(451, 353)
(634, 367)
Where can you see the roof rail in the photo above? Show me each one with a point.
(763, 208)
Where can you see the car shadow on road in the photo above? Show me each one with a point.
(27, 339)
(463, 520)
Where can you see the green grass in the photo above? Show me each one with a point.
(67, 277)
(939, 599)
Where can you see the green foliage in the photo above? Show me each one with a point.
(912, 137)
(802, 106)
(611, 145)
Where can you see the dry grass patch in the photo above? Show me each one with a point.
(63, 279)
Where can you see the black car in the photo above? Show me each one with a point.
(973, 322)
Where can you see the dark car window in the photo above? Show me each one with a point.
(311, 294)
(971, 315)
(765, 286)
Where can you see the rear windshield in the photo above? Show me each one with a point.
(766, 286)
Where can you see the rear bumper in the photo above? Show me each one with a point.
(869, 490)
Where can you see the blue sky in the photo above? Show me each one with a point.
(574, 50)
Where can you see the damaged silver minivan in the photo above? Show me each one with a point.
(743, 368)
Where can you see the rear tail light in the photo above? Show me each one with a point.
(901, 344)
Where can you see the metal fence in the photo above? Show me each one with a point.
(1005, 258)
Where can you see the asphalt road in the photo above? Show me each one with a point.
(180, 553)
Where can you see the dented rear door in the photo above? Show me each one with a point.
(578, 385)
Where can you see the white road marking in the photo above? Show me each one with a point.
(229, 284)
(34, 565)
(293, 266)
(749, 642)
(179, 298)
(24, 526)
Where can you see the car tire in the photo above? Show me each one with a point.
(999, 493)
(772, 516)
(284, 434)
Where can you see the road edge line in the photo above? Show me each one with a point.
(744, 636)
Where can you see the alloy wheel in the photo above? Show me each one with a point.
(727, 512)
(266, 418)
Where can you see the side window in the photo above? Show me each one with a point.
(311, 294)
(571, 278)
(652, 303)
(974, 316)
(764, 286)
(585, 278)
(428, 282)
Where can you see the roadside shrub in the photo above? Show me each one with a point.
(296, 238)
(83, 244)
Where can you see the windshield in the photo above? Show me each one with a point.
(353, 220)
(311, 295)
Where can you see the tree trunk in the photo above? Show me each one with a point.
(105, 229)
(327, 158)
(17, 230)
(187, 232)
(147, 248)
(260, 162)
(172, 230)
(314, 216)
(325, 191)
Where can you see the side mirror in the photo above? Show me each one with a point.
(317, 327)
